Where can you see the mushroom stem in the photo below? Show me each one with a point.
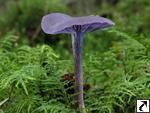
(73, 35)
(77, 42)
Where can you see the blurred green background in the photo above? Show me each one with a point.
(116, 61)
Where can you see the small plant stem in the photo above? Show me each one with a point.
(77, 52)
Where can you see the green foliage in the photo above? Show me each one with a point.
(120, 75)
(31, 77)
(25, 16)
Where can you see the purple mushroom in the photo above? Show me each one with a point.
(56, 23)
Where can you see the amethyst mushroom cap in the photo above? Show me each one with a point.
(56, 23)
